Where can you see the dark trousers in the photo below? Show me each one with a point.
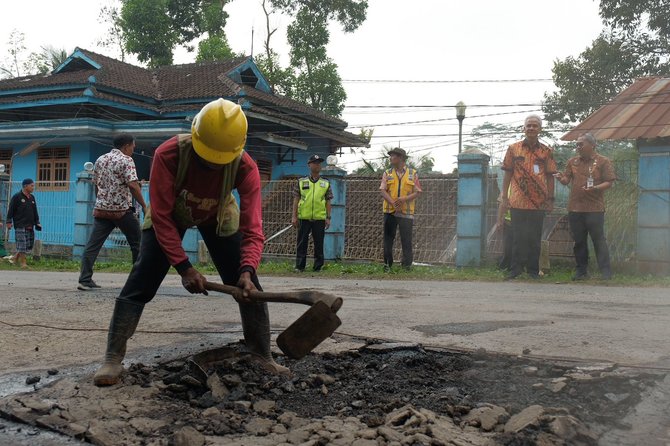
(391, 225)
(318, 230)
(583, 224)
(152, 265)
(505, 262)
(527, 240)
(102, 227)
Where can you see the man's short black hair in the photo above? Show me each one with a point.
(123, 139)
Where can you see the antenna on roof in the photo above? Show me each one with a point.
(252, 40)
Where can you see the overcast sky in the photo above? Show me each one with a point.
(439, 40)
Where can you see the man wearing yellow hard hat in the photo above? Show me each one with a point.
(192, 177)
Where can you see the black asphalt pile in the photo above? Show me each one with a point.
(380, 394)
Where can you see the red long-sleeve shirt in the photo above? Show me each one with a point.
(201, 191)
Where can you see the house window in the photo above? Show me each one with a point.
(6, 159)
(53, 169)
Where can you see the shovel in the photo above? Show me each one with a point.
(310, 329)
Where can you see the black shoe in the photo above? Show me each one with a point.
(298, 270)
(316, 270)
(534, 276)
(606, 275)
(580, 276)
(87, 286)
(387, 269)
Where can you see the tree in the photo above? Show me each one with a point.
(152, 29)
(423, 163)
(632, 15)
(46, 60)
(612, 62)
(214, 47)
(635, 43)
(317, 82)
(109, 15)
(20, 63)
(14, 65)
(281, 80)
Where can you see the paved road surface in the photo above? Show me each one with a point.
(624, 325)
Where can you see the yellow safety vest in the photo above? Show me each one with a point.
(312, 205)
(398, 186)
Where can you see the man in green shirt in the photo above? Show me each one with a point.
(311, 213)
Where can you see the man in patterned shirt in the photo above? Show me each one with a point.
(116, 184)
(591, 174)
(528, 191)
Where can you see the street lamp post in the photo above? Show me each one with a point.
(460, 115)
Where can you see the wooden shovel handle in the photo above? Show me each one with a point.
(296, 297)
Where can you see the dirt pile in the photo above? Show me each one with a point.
(380, 394)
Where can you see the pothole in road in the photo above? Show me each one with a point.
(378, 394)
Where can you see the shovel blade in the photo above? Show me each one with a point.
(310, 330)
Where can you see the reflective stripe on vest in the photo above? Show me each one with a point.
(312, 205)
(400, 186)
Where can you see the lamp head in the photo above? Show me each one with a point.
(460, 110)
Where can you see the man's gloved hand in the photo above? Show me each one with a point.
(246, 285)
(193, 281)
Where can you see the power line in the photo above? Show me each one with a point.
(442, 119)
(443, 81)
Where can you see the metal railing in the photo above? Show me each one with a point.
(434, 223)
(620, 217)
(434, 220)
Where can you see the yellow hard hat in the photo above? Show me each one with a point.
(219, 131)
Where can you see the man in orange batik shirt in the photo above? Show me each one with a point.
(528, 191)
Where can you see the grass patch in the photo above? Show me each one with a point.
(358, 270)
(62, 265)
(346, 270)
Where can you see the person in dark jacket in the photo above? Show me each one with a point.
(22, 215)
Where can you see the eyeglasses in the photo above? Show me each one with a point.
(580, 145)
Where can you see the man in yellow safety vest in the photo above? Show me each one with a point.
(311, 213)
(399, 188)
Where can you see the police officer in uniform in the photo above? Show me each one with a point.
(311, 213)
